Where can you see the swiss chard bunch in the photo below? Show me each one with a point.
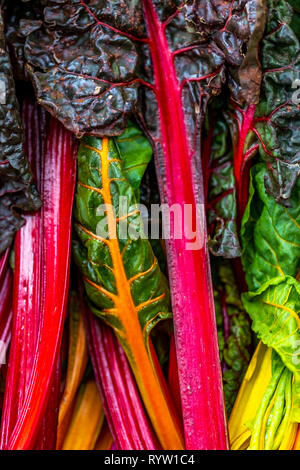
(270, 251)
(210, 88)
(122, 277)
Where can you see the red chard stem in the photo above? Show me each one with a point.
(128, 422)
(41, 279)
(189, 270)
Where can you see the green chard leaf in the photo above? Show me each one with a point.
(123, 281)
(270, 233)
(274, 309)
(234, 330)
(295, 22)
(277, 116)
(266, 120)
(136, 154)
(148, 286)
(149, 198)
(17, 190)
(217, 158)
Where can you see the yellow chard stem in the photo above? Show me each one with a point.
(278, 411)
(286, 432)
(256, 379)
(105, 439)
(87, 420)
(289, 437)
(255, 441)
(77, 361)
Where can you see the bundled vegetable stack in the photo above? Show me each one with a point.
(122, 329)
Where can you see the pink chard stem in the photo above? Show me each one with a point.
(189, 269)
(41, 278)
(6, 279)
(126, 416)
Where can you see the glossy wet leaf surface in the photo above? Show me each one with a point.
(270, 233)
(17, 190)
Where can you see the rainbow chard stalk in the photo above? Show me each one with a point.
(3, 265)
(87, 419)
(42, 255)
(5, 306)
(170, 59)
(47, 434)
(122, 277)
(77, 362)
(125, 413)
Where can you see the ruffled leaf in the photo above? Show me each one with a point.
(17, 190)
(217, 157)
(274, 309)
(270, 233)
(277, 117)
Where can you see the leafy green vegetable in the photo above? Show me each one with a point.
(274, 309)
(94, 64)
(217, 158)
(274, 411)
(149, 194)
(141, 268)
(295, 22)
(20, 14)
(122, 278)
(270, 233)
(17, 190)
(267, 123)
(136, 154)
(277, 116)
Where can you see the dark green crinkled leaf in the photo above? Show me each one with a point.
(221, 194)
(269, 125)
(234, 330)
(89, 59)
(92, 64)
(20, 16)
(84, 72)
(244, 20)
(277, 117)
(274, 309)
(295, 22)
(270, 233)
(17, 190)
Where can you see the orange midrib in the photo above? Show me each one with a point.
(77, 363)
(131, 336)
(87, 420)
(297, 440)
